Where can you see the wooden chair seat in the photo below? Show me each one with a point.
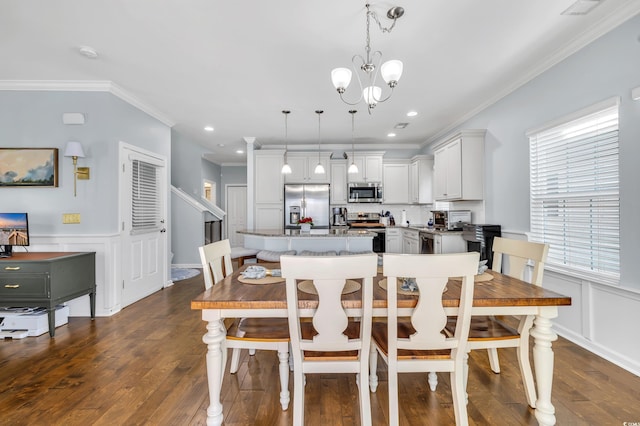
(307, 331)
(380, 335)
(484, 328)
(259, 329)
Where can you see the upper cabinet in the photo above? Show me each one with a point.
(303, 165)
(395, 186)
(339, 193)
(268, 176)
(421, 180)
(459, 167)
(369, 167)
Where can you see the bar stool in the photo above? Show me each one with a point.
(240, 254)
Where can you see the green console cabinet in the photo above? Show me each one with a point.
(47, 279)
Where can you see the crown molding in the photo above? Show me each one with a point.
(86, 86)
(608, 23)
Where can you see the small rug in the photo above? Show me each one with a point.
(178, 274)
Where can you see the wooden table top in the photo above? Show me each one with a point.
(501, 291)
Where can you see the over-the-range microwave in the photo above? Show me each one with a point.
(365, 192)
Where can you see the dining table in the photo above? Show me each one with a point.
(499, 295)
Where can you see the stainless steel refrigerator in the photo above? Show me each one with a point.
(306, 201)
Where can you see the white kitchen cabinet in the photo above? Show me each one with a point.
(369, 167)
(269, 190)
(395, 182)
(444, 243)
(421, 180)
(459, 167)
(410, 241)
(393, 242)
(303, 165)
(268, 176)
(339, 193)
(269, 216)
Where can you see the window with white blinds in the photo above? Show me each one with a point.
(575, 201)
(145, 205)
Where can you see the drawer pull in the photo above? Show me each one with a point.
(12, 268)
(11, 285)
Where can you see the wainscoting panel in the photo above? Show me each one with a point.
(107, 249)
(603, 319)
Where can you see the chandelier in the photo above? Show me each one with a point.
(390, 70)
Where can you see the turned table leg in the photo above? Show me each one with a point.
(543, 361)
(213, 339)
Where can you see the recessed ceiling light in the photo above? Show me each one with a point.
(88, 52)
(208, 128)
(391, 135)
(239, 151)
(412, 113)
(220, 144)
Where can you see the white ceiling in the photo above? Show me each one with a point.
(236, 65)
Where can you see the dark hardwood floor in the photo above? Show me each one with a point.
(145, 365)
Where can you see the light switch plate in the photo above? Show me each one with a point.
(71, 218)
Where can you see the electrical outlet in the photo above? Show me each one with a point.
(71, 218)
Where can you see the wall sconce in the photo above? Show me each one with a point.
(74, 150)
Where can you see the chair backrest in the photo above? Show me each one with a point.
(518, 254)
(432, 272)
(329, 275)
(216, 262)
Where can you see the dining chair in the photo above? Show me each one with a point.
(491, 333)
(337, 339)
(418, 343)
(246, 333)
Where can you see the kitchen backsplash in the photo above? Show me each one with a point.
(420, 214)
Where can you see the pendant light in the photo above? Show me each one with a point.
(319, 168)
(286, 169)
(352, 168)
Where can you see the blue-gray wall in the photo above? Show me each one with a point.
(34, 119)
(608, 67)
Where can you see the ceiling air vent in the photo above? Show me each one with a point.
(400, 125)
(581, 7)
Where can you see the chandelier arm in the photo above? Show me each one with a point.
(377, 67)
(350, 103)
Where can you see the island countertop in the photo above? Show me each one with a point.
(296, 233)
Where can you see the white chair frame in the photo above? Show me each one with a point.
(330, 320)
(428, 319)
(519, 254)
(213, 256)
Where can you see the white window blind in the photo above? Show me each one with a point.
(575, 201)
(145, 205)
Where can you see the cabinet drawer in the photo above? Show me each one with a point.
(10, 268)
(20, 285)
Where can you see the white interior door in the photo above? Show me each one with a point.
(236, 208)
(143, 191)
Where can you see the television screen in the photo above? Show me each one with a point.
(14, 230)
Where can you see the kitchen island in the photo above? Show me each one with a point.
(315, 240)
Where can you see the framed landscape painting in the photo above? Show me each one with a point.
(29, 167)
